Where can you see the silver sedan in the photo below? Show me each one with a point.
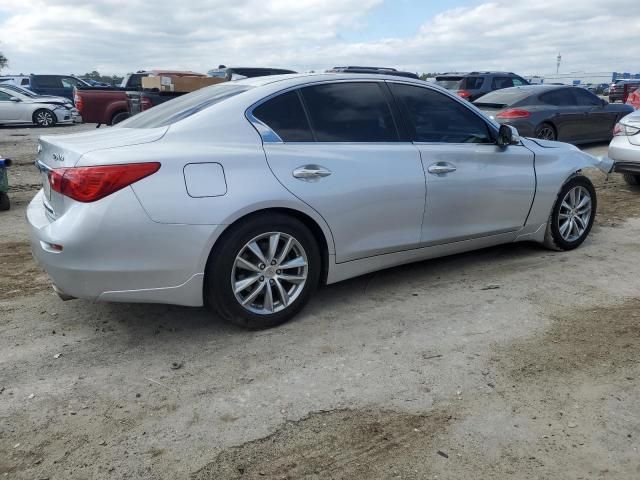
(246, 196)
(23, 108)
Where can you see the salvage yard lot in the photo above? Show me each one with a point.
(510, 362)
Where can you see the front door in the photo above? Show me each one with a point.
(10, 111)
(474, 187)
(339, 151)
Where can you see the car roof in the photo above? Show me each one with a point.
(463, 74)
(292, 79)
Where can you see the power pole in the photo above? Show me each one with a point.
(558, 60)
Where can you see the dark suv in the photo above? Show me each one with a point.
(473, 85)
(616, 91)
(378, 70)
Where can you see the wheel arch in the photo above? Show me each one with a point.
(320, 232)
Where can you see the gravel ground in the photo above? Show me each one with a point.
(512, 362)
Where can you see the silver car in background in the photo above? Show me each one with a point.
(624, 149)
(246, 196)
(23, 108)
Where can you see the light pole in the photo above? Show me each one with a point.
(558, 60)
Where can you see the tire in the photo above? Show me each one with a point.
(557, 237)
(5, 204)
(231, 256)
(631, 179)
(44, 118)
(119, 117)
(546, 131)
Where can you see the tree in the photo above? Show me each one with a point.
(3, 61)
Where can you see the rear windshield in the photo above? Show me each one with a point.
(460, 83)
(184, 106)
(502, 98)
(450, 83)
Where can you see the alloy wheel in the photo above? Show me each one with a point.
(546, 133)
(44, 119)
(575, 214)
(269, 273)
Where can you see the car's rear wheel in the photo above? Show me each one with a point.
(546, 131)
(44, 118)
(632, 179)
(119, 117)
(572, 215)
(263, 271)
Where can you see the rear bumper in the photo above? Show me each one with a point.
(112, 251)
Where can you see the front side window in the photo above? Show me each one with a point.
(70, 82)
(518, 82)
(350, 112)
(285, 115)
(436, 118)
(586, 98)
(4, 97)
(25, 81)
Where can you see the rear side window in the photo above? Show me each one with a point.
(450, 83)
(559, 98)
(350, 112)
(285, 115)
(47, 81)
(436, 118)
(501, 82)
(472, 83)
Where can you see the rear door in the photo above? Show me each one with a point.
(474, 188)
(336, 146)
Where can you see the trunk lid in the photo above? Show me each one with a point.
(58, 151)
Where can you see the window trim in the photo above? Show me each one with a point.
(491, 127)
(271, 137)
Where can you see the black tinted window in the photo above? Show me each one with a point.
(501, 82)
(450, 83)
(559, 98)
(135, 81)
(25, 81)
(47, 81)
(350, 112)
(438, 118)
(585, 98)
(285, 116)
(472, 82)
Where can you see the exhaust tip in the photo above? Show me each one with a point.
(63, 296)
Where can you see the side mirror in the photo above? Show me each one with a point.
(507, 135)
(14, 99)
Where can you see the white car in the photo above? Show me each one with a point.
(21, 108)
(624, 149)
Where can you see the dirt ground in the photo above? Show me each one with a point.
(512, 362)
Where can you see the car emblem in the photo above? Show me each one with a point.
(58, 157)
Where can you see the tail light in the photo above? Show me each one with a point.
(622, 130)
(88, 184)
(464, 93)
(145, 104)
(513, 113)
(77, 100)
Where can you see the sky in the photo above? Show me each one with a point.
(119, 36)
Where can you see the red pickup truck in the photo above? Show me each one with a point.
(108, 105)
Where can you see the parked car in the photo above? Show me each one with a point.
(374, 70)
(616, 90)
(108, 105)
(474, 85)
(16, 108)
(56, 85)
(624, 149)
(239, 197)
(29, 93)
(19, 80)
(238, 73)
(600, 88)
(551, 112)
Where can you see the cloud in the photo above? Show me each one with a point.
(116, 36)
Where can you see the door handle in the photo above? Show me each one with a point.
(441, 168)
(311, 172)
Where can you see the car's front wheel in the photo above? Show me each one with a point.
(572, 215)
(263, 271)
(44, 118)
